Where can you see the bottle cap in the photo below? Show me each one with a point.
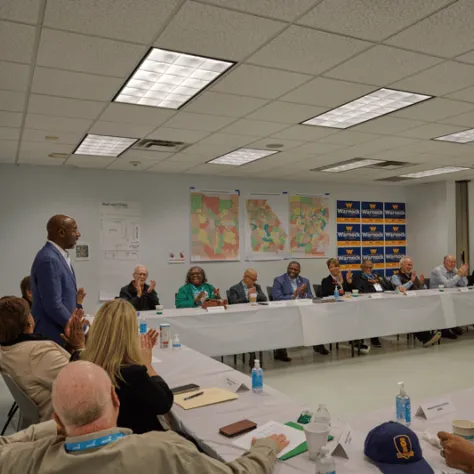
(324, 450)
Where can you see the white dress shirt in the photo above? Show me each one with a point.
(63, 253)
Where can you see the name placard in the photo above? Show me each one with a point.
(375, 296)
(234, 385)
(216, 309)
(435, 409)
(341, 449)
(464, 289)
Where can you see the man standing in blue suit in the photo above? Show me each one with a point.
(53, 282)
(290, 286)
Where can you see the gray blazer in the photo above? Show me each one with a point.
(237, 294)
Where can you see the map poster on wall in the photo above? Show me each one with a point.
(214, 226)
(309, 226)
(266, 226)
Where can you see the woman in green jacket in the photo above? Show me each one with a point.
(196, 290)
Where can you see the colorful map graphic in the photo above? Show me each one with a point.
(214, 226)
(309, 220)
(266, 231)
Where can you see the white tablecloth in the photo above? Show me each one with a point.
(246, 328)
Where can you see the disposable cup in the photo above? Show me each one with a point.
(316, 437)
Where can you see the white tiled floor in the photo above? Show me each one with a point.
(351, 386)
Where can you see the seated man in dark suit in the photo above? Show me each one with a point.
(143, 297)
(240, 293)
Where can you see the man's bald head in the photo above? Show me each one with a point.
(449, 262)
(84, 399)
(250, 277)
(63, 231)
(140, 274)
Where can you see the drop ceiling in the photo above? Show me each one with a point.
(63, 62)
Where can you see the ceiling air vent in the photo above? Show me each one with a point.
(160, 145)
(389, 165)
(394, 179)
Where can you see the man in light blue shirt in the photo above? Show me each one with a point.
(407, 277)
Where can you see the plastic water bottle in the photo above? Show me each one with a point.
(322, 415)
(403, 406)
(336, 293)
(325, 463)
(142, 326)
(257, 377)
(176, 345)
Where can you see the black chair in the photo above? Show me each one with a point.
(317, 290)
(269, 293)
(427, 283)
(227, 292)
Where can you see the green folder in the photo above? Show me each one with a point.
(302, 448)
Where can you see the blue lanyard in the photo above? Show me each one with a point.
(93, 443)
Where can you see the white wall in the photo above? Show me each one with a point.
(30, 195)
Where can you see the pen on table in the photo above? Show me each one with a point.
(194, 396)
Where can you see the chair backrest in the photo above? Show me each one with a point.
(317, 290)
(227, 292)
(269, 293)
(28, 409)
(427, 283)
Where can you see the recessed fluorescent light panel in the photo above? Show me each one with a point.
(169, 79)
(459, 137)
(425, 174)
(242, 157)
(373, 105)
(103, 145)
(348, 165)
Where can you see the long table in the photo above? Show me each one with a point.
(188, 366)
(247, 328)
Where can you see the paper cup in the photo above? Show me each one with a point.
(316, 437)
(159, 308)
(441, 287)
(355, 293)
(464, 428)
(253, 298)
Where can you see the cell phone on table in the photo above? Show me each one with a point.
(185, 388)
(263, 303)
(237, 428)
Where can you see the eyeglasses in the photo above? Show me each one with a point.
(195, 274)
(141, 274)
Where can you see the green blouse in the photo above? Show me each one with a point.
(185, 296)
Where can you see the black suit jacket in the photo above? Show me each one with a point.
(328, 286)
(237, 294)
(361, 283)
(146, 302)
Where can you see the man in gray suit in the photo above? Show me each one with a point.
(86, 410)
(240, 293)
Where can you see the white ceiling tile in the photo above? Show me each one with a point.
(14, 76)
(35, 161)
(255, 127)
(74, 84)
(285, 112)
(382, 65)
(467, 58)
(188, 158)
(138, 21)
(7, 133)
(8, 151)
(12, 101)
(464, 94)
(189, 121)
(207, 169)
(447, 33)
(210, 150)
(464, 120)
(387, 125)
(89, 161)
(144, 155)
(10, 119)
(235, 141)
(319, 148)
(433, 110)
(347, 137)
(383, 143)
(215, 32)
(306, 50)
(225, 105)
(430, 130)
(178, 135)
(285, 10)
(255, 81)
(442, 79)
(135, 160)
(25, 11)
(34, 152)
(287, 144)
(62, 50)
(327, 92)
(17, 42)
(136, 114)
(121, 129)
(46, 122)
(170, 167)
(369, 19)
(304, 132)
(60, 107)
(68, 138)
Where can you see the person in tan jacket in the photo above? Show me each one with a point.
(31, 360)
(86, 409)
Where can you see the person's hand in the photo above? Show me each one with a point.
(252, 290)
(77, 313)
(463, 270)
(413, 277)
(302, 290)
(153, 335)
(199, 297)
(402, 289)
(81, 294)
(280, 441)
(458, 452)
(216, 294)
(138, 287)
(341, 292)
(349, 277)
(74, 332)
(147, 348)
(152, 286)
(422, 279)
(371, 280)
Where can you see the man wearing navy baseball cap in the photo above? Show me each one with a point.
(395, 449)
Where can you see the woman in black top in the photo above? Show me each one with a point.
(114, 344)
(335, 279)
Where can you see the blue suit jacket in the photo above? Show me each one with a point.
(54, 290)
(282, 289)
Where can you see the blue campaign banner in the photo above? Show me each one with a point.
(372, 212)
(393, 255)
(349, 257)
(395, 235)
(395, 213)
(348, 235)
(390, 271)
(348, 211)
(375, 255)
(372, 235)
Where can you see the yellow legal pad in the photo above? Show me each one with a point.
(211, 396)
